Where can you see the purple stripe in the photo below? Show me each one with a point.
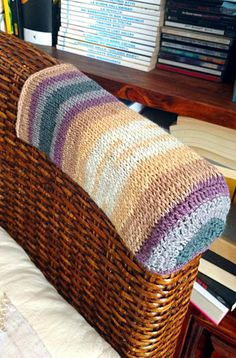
(67, 122)
(206, 190)
(43, 86)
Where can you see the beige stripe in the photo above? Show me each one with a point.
(114, 120)
(125, 154)
(22, 124)
(81, 133)
(142, 212)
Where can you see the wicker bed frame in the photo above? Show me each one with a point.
(72, 242)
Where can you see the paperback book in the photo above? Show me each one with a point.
(121, 32)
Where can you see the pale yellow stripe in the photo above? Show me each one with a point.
(114, 120)
(126, 153)
(22, 124)
(81, 133)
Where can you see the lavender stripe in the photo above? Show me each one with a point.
(43, 85)
(208, 190)
(74, 111)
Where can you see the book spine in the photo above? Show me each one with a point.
(109, 7)
(199, 16)
(112, 28)
(218, 61)
(104, 58)
(212, 292)
(207, 298)
(108, 32)
(220, 261)
(17, 21)
(121, 25)
(199, 6)
(188, 72)
(7, 16)
(111, 17)
(234, 100)
(189, 60)
(139, 3)
(195, 28)
(222, 293)
(100, 50)
(121, 45)
(208, 26)
(197, 35)
(189, 67)
(195, 49)
(90, 35)
(189, 40)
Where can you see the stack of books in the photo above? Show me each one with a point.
(123, 32)
(198, 38)
(214, 292)
(205, 137)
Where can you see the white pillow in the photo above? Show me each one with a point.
(63, 331)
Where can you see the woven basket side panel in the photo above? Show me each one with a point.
(71, 240)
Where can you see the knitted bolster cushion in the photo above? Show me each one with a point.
(166, 203)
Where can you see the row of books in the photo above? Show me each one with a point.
(121, 32)
(214, 292)
(198, 39)
(31, 20)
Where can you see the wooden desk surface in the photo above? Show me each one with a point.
(173, 92)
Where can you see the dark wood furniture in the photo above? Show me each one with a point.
(200, 338)
(172, 92)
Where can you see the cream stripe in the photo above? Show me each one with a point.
(105, 124)
(125, 135)
(118, 161)
(113, 179)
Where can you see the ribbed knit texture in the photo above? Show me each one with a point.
(166, 203)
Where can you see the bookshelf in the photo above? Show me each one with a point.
(201, 338)
(172, 92)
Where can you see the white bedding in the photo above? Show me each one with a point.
(63, 332)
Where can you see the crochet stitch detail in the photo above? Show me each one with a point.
(166, 203)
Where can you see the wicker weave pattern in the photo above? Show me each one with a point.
(72, 241)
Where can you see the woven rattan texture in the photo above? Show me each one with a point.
(71, 240)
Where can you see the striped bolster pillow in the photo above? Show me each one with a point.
(166, 203)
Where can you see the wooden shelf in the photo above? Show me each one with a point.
(173, 92)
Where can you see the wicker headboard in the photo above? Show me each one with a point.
(71, 240)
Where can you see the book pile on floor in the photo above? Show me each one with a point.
(122, 32)
(214, 292)
(198, 38)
